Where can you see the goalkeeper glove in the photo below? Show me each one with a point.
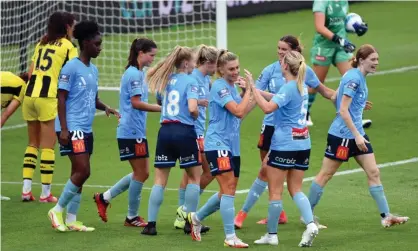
(360, 28)
(348, 47)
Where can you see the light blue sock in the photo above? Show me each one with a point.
(379, 196)
(274, 211)
(201, 191)
(74, 204)
(135, 188)
(182, 192)
(155, 200)
(211, 206)
(315, 194)
(256, 191)
(228, 214)
(70, 190)
(304, 206)
(121, 186)
(191, 198)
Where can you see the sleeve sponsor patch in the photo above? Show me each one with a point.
(223, 92)
(136, 84)
(64, 78)
(353, 86)
(281, 95)
(194, 89)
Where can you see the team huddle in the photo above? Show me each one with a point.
(61, 99)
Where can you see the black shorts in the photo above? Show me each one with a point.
(343, 149)
(286, 160)
(177, 141)
(265, 137)
(133, 149)
(222, 161)
(79, 143)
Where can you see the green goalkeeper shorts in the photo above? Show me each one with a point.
(327, 56)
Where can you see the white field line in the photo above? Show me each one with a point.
(12, 127)
(388, 164)
(385, 72)
(397, 70)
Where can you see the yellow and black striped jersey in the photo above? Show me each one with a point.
(12, 87)
(48, 59)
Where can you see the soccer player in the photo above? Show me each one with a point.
(39, 107)
(131, 132)
(222, 146)
(12, 91)
(330, 44)
(206, 66)
(271, 80)
(77, 103)
(346, 136)
(290, 147)
(179, 93)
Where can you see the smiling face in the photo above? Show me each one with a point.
(230, 71)
(370, 63)
(282, 49)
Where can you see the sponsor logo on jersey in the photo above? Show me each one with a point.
(223, 92)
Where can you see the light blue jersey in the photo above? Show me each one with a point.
(224, 128)
(132, 124)
(353, 84)
(204, 82)
(290, 132)
(271, 80)
(180, 88)
(81, 82)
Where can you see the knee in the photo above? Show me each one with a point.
(374, 175)
(275, 194)
(294, 189)
(262, 175)
(230, 187)
(323, 177)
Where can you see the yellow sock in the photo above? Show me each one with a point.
(47, 166)
(29, 162)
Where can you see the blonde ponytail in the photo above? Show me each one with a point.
(206, 54)
(300, 79)
(297, 68)
(159, 75)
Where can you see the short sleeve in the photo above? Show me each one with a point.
(21, 93)
(311, 79)
(283, 97)
(221, 94)
(135, 84)
(67, 76)
(351, 87)
(319, 6)
(263, 79)
(193, 90)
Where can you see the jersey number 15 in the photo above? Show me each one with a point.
(45, 58)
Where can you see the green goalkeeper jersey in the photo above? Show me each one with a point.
(335, 12)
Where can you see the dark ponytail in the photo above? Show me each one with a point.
(139, 44)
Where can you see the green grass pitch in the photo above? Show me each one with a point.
(347, 208)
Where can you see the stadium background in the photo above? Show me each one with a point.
(347, 208)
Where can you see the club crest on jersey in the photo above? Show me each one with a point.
(223, 92)
(353, 86)
(64, 78)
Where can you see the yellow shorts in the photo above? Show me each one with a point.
(39, 109)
